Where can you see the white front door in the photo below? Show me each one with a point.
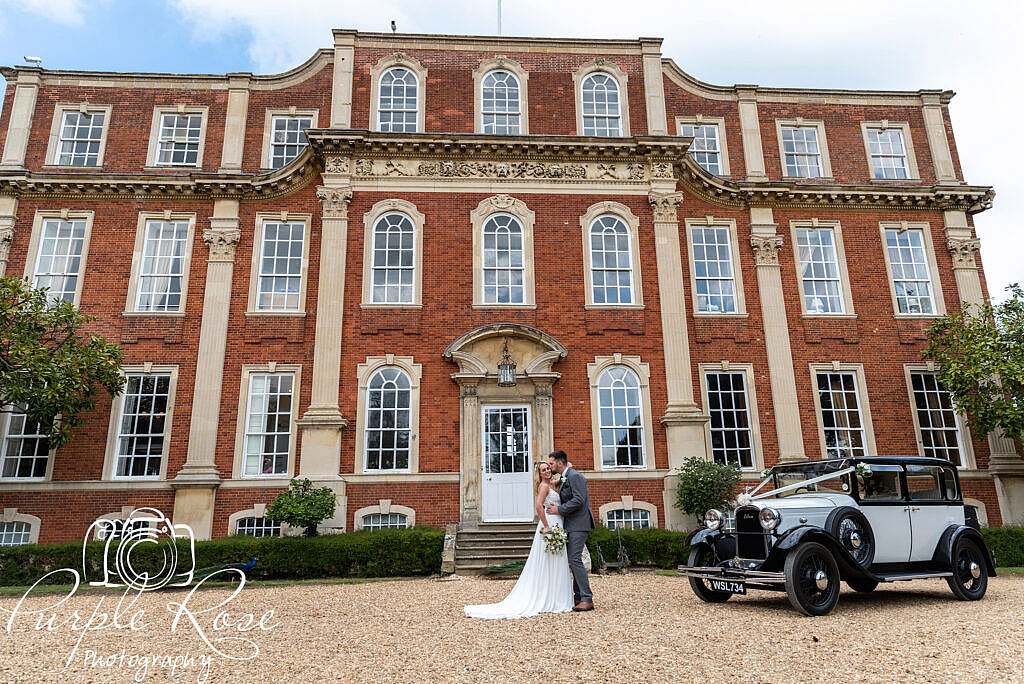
(507, 469)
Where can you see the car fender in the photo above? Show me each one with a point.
(848, 567)
(703, 536)
(943, 556)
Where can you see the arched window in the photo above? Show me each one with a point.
(394, 260)
(15, 533)
(602, 111)
(388, 418)
(611, 261)
(398, 108)
(503, 260)
(380, 521)
(500, 103)
(621, 418)
(257, 527)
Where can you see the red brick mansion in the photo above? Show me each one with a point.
(328, 273)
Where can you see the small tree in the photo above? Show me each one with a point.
(705, 484)
(49, 367)
(303, 506)
(980, 357)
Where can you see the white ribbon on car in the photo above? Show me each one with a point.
(797, 485)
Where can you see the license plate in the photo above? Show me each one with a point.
(728, 585)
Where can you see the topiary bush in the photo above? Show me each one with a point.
(705, 484)
(1007, 543)
(303, 506)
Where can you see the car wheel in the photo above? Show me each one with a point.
(703, 557)
(862, 585)
(853, 531)
(970, 575)
(812, 579)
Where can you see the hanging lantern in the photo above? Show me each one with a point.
(506, 370)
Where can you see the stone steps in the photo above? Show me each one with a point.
(492, 544)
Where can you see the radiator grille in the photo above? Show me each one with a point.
(751, 540)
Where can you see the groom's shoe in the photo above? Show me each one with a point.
(583, 606)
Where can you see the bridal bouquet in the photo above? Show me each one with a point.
(554, 540)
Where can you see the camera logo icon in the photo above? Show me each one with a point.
(142, 552)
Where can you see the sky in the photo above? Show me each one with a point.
(973, 48)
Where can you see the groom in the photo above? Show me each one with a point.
(578, 521)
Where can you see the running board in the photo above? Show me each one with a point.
(907, 576)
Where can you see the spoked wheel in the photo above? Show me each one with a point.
(812, 579)
(970, 575)
(701, 557)
(854, 533)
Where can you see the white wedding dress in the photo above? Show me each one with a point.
(545, 585)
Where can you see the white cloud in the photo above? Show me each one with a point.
(68, 12)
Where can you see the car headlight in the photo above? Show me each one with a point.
(713, 519)
(770, 518)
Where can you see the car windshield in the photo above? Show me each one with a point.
(792, 474)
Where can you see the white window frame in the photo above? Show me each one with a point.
(723, 147)
(5, 426)
(57, 126)
(753, 414)
(625, 214)
(131, 303)
(608, 67)
(908, 149)
(628, 503)
(825, 160)
(938, 301)
(154, 136)
(364, 372)
(384, 507)
(643, 373)
(844, 276)
(501, 63)
(257, 511)
(257, 257)
(241, 424)
(114, 429)
(35, 243)
(398, 59)
(268, 130)
(503, 204)
(864, 405)
(370, 218)
(966, 443)
(737, 271)
(11, 515)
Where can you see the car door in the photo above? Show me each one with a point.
(881, 501)
(931, 509)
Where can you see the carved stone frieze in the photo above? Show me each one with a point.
(962, 250)
(500, 170)
(664, 205)
(334, 201)
(6, 237)
(766, 249)
(222, 243)
(336, 165)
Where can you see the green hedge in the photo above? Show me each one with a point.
(380, 553)
(651, 547)
(1007, 543)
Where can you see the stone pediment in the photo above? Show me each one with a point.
(479, 351)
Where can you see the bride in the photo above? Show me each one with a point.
(545, 585)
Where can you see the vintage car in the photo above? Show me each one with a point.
(810, 525)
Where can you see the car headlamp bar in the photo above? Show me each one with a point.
(804, 483)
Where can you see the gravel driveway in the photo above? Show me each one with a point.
(647, 627)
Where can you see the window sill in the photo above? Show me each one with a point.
(802, 179)
(894, 181)
(614, 307)
(162, 169)
(917, 317)
(524, 307)
(738, 314)
(153, 314)
(72, 167)
(370, 305)
(827, 316)
(275, 314)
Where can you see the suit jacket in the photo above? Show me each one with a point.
(575, 507)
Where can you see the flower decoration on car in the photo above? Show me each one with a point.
(863, 470)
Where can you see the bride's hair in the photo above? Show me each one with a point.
(536, 472)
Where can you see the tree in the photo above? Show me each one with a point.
(303, 506)
(704, 484)
(50, 369)
(980, 357)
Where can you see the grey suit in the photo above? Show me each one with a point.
(578, 520)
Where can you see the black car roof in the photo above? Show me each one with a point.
(893, 460)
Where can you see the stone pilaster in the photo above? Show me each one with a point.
(26, 88)
(322, 423)
(8, 209)
(766, 242)
(683, 420)
(750, 128)
(1004, 461)
(470, 448)
(938, 143)
(543, 419)
(341, 95)
(654, 86)
(197, 481)
(234, 123)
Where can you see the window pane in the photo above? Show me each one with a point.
(393, 260)
(730, 421)
(601, 112)
(288, 138)
(80, 137)
(888, 154)
(140, 439)
(712, 257)
(388, 420)
(621, 423)
(60, 254)
(910, 273)
(178, 142)
(25, 448)
(280, 271)
(937, 419)
(380, 521)
(268, 423)
(819, 270)
(840, 415)
(499, 99)
(705, 148)
(14, 533)
(611, 261)
(258, 527)
(802, 157)
(162, 267)
(397, 108)
(633, 519)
